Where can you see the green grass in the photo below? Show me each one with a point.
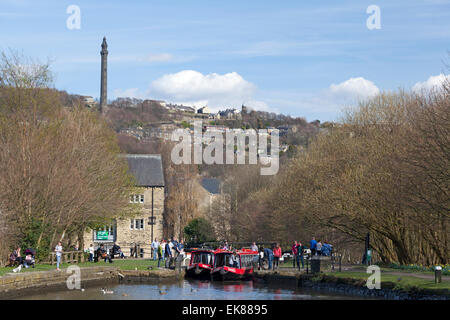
(401, 282)
(123, 264)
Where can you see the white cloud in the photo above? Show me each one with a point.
(433, 83)
(195, 88)
(354, 88)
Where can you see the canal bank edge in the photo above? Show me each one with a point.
(29, 283)
(16, 285)
(350, 286)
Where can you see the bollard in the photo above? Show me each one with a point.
(438, 274)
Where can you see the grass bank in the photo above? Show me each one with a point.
(396, 282)
(123, 264)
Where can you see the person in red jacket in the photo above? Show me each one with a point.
(276, 255)
(294, 253)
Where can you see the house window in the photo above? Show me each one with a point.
(137, 224)
(137, 198)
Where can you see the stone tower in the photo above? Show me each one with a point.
(104, 76)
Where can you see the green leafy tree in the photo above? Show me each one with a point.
(199, 230)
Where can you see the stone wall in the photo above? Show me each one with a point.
(17, 284)
(127, 237)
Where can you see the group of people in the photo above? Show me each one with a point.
(27, 261)
(167, 251)
(274, 254)
(102, 253)
(320, 249)
(298, 252)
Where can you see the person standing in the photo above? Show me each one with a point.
(294, 253)
(180, 247)
(276, 255)
(163, 244)
(254, 247)
(319, 248)
(91, 253)
(58, 251)
(168, 253)
(160, 252)
(173, 247)
(155, 245)
(312, 246)
(269, 254)
(260, 258)
(300, 255)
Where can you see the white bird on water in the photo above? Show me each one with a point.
(106, 291)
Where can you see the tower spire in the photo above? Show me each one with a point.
(104, 75)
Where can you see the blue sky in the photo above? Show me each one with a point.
(303, 58)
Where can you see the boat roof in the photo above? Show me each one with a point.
(222, 251)
(240, 252)
(201, 251)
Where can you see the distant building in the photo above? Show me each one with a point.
(89, 101)
(204, 110)
(138, 231)
(160, 102)
(230, 114)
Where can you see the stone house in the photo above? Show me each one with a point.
(137, 232)
(204, 110)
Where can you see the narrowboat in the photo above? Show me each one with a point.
(200, 264)
(237, 265)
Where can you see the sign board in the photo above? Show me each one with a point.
(102, 235)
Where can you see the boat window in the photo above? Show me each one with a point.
(234, 261)
(204, 258)
(222, 260)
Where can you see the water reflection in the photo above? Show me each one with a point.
(191, 290)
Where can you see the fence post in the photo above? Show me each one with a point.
(332, 262)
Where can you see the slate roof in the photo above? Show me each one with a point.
(211, 185)
(147, 168)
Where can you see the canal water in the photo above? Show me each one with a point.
(191, 290)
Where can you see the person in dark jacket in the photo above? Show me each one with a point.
(102, 254)
(117, 251)
(168, 255)
(294, 253)
(269, 254)
(300, 257)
